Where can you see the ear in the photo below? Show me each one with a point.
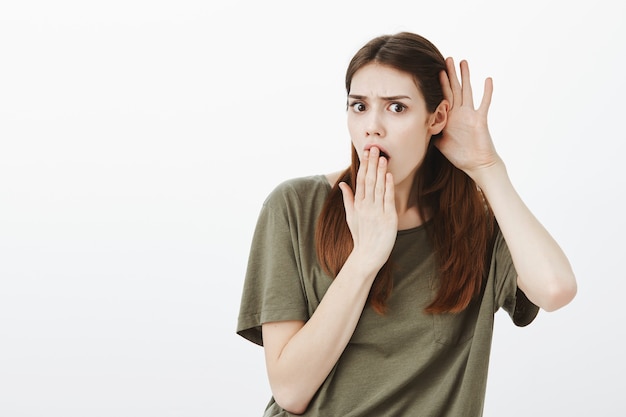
(438, 119)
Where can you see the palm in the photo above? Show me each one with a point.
(466, 141)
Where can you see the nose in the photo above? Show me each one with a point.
(374, 125)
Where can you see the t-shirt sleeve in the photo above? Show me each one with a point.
(272, 288)
(508, 295)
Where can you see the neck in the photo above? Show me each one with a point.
(407, 207)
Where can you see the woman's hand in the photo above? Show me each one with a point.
(466, 141)
(371, 211)
(544, 272)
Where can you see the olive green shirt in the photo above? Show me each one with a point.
(405, 363)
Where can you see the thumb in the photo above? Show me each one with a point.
(348, 198)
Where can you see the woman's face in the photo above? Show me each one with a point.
(387, 110)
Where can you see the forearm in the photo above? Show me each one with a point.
(544, 272)
(298, 370)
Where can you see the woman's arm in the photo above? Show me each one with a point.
(544, 272)
(299, 356)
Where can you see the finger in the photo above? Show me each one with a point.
(380, 179)
(487, 94)
(390, 198)
(445, 87)
(455, 85)
(468, 98)
(348, 199)
(372, 171)
(360, 177)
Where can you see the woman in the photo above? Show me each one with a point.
(373, 290)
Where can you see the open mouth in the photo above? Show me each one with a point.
(380, 151)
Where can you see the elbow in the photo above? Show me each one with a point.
(290, 400)
(559, 294)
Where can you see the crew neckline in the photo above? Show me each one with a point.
(413, 229)
(408, 231)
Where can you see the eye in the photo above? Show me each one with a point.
(358, 106)
(397, 107)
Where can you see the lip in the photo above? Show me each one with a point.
(383, 151)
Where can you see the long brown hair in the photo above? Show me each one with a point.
(461, 225)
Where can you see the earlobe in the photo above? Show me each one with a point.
(439, 118)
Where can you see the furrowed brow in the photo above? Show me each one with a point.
(393, 98)
(390, 98)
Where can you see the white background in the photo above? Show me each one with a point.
(138, 140)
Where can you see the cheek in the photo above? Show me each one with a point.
(356, 138)
(358, 147)
(414, 150)
(419, 136)
(353, 127)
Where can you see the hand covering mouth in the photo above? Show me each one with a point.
(380, 151)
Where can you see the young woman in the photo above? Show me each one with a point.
(373, 290)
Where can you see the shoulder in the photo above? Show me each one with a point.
(302, 190)
(295, 203)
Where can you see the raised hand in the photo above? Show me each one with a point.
(371, 211)
(466, 141)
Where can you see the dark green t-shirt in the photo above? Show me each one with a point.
(405, 363)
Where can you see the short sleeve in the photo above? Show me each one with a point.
(507, 294)
(272, 288)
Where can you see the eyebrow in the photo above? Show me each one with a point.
(390, 98)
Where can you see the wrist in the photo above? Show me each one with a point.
(361, 267)
(489, 176)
